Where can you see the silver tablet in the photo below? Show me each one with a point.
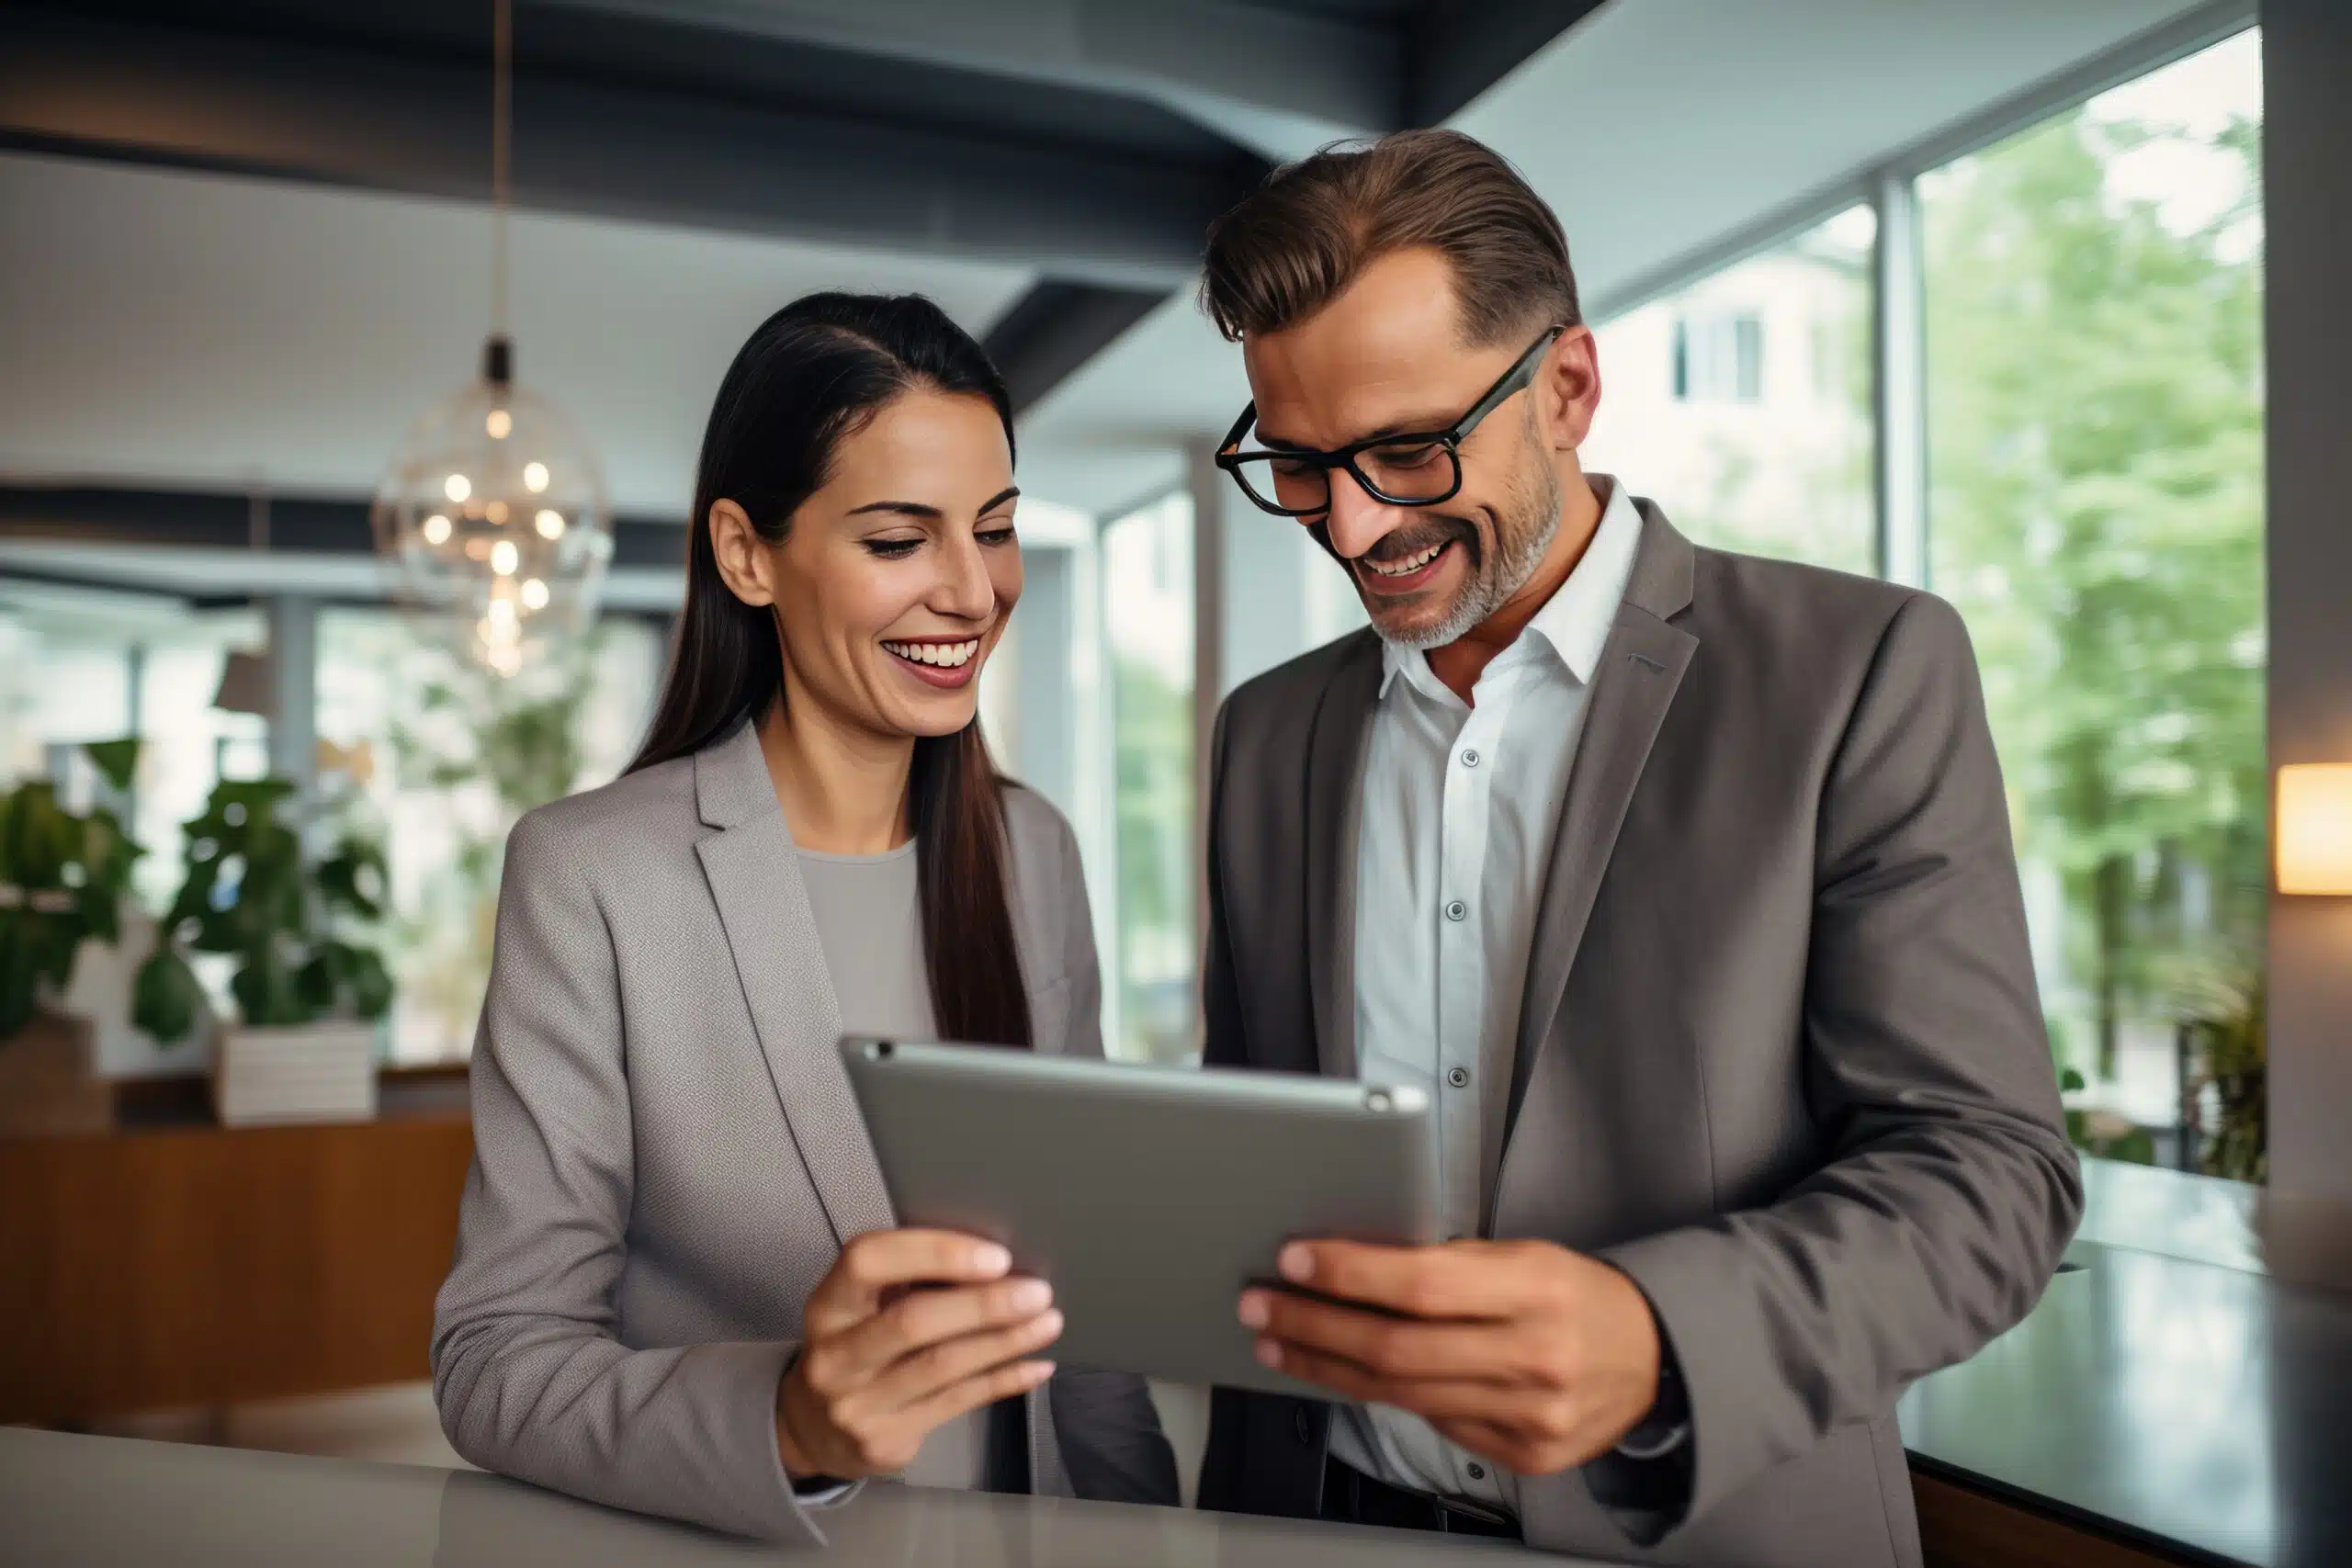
(1148, 1196)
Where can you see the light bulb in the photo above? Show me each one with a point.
(500, 424)
(496, 511)
(504, 558)
(535, 477)
(534, 593)
(551, 524)
(457, 487)
(501, 615)
(436, 529)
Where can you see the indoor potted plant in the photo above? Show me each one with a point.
(308, 988)
(64, 876)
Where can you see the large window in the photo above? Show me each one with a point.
(448, 756)
(1148, 620)
(71, 673)
(1742, 403)
(2095, 388)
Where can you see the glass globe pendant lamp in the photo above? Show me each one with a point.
(493, 507)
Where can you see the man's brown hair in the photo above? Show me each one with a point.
(1307, 233)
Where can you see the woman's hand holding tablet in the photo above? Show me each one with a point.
(911, 1329)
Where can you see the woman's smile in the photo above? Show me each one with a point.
(938, 661)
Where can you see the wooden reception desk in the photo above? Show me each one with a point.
(172, 1263)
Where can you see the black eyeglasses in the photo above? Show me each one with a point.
(1415, 469)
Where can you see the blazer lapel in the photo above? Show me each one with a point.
(754, 878)
(1640, 668)
(1335, 753)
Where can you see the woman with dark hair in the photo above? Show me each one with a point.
(678, 1288)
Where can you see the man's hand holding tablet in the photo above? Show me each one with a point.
(1535, 1357)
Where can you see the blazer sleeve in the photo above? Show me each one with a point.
(1946, 1190)
(1113, 1449)
(527, 1370)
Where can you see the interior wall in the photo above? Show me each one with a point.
(2307, 163)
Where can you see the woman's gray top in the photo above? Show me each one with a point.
(668, 1153)
(870, 921)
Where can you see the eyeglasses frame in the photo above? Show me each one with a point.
(1231, 458)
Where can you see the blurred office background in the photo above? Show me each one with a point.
(1968, 296)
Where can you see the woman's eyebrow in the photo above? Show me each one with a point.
(925, 511)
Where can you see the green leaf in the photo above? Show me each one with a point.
(371, 983)
(20, 968)
(352, 878)
(319, 981)
(117, 760)
(37, 838)
(266, 990)
(2070, 1080)
(166, 997)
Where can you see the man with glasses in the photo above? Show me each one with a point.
(1681, 881)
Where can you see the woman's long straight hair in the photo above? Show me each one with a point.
(816, 371)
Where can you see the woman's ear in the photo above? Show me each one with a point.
(745, 562)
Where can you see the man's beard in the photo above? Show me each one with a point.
(1524, 532)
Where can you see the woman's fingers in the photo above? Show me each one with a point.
(983, 1388)
(919, 1320)
(920, 1376)
(873, 1265)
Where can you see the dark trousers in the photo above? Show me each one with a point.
(1351, 1497)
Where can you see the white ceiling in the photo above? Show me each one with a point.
(179, 328)
(1653, 128)
(186, 329)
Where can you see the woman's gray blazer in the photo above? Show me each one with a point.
(667, 1155)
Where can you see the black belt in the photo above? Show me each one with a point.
(1352, 1497)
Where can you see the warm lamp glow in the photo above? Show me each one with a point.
(500, 424)
(535, 477)
(2315, 828)
(504, 558)
(457, 487)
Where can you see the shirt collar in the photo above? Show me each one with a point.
(1573, 624)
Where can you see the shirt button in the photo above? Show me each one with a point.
(1458, 1076)
(1458, 910)
(1470, 758)
(1478, 1470)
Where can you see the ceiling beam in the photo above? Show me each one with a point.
(287, 525)
(165, 96)
(204, 547)
(1049, 332)
(1279, 83)
(1461, 47)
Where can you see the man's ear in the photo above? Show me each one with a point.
(1569, 383)
(746, 562)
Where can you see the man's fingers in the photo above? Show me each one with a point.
(1450, 1398)
(920, 1319)
(875, 1263)
(1470, 1280)
(1389, 1345)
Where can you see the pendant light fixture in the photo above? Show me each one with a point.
(493, 507)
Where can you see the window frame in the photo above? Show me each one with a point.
(1888, 187)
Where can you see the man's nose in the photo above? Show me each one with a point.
(1357, 521)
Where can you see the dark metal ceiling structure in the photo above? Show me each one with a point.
(1091, 140)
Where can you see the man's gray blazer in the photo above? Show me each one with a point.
(1780, 1057)
(667, 1154)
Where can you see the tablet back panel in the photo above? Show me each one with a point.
(1148, 1196)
